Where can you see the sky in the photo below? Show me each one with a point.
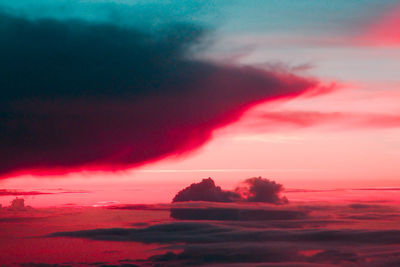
(214, 133)
(141, 118)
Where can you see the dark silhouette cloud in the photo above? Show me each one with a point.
(335, 257)
(228, 253)
(18, 204)
(206, 190)
(197, 232)
(248, 253)
(252, 254)
(258, 189)
(235, 214)
(159, 233)
(89, 95)
(216, 243)
(255, 189)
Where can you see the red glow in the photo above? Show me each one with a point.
(385, 32)
(223, 102)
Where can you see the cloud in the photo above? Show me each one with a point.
(17, 219)
(139, 207)
(213, 243)
(309, 241)
(206, 190)
(198, 232)
(282, 254)
(235, 214)
(256, 189)
(98, 96)
(8, 192)
(285, 217)
(159, 233)
(228, 253)
(301, 119)
(18, 204)
(34, 264)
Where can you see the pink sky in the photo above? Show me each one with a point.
(344, 138)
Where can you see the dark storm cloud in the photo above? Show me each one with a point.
(85, 95)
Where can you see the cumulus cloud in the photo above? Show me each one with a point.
(80, 94)
(256, 189)
(206, 190)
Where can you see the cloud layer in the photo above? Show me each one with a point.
(8, 192)
(197, 232)
(300, 119)
(235, 214)
(258, 189)
(330, 235)
(212, 243)
(85, 95)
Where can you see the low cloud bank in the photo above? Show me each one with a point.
(202, 232)
(235, 214)
(326, 237)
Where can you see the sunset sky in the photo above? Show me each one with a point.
(341, 132)
(186, 133)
